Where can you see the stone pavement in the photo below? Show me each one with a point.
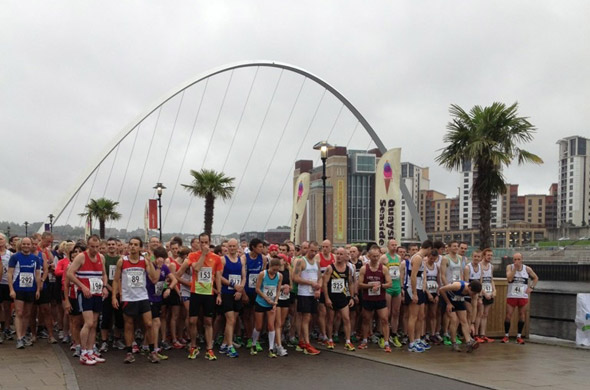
(497, 365)
(35, 368)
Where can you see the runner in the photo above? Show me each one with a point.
(284, 303)
(471, 272)
(24, 283)
(338, 285)
(392, 260)
(433, 282)
(87, 272)
(131, 278)
(307, 275)
(231, 282)
(111, 258)
(453, 295)
(267, 298)
(70, 301)
(205, 265)
(415, 297)
(451, 271)
(355, 317)
(325, 258)
(42, 307)
(373, 280)
(255, 262)
(173, 301)
(5, 300)
(185, 295)
(518, 276)
(157, 291)
(488, 294)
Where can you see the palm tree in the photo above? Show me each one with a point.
(488, 138)
(102, 209)
(210, 185)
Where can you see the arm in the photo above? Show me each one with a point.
(325, 280)
(75, 266)
(443, 271)
(45, 269)
(105, 279)
(219, 279)
(510, 272)
(153, 273)
(466, 273)
(388, 281)
(534, 277)
(443, 293)
(180, 272)
(10, 274)
(39, 281)
(259, 285)
(117, 284)
(416, 261)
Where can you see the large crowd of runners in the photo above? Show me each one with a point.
(98, 295)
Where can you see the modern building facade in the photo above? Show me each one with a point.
(416, 179)
(573, 185)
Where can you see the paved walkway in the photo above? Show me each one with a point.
(497, 366)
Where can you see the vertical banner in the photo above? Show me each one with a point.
(299, 202)
(153, 213)
(146, 222)
(388, 197)
(88, 228)
(340, 210)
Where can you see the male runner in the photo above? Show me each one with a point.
(415, 297)
(451, 271)
(325, 258)
(433, 282)
(5, 300)
(518, 275)
(471, 272)
(87, 272)
(110, 261)
(131, 279)
(373, 280)
(392, 260)
(488, 293)
(453, 295)
(255, 262)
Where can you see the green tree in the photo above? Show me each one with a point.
(210, 185)
(104, 210)
(487, 137)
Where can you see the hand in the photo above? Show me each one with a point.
(286, 288)
(13, 294)
(167, 293)
(67, 306)
(115, 303)
(351, 302)
(205, 249)
(245, 298)
(376, 287)
(316, 294)
(415, 298)
(329, 303)
(449, 308)
(239, 288)
(529, 290)
(86, 292)
(436, 299)
(105, 293)
(430, 298)
(472, 329)
(37, 294)
(218, 300)
(237, 296)
(316, 286)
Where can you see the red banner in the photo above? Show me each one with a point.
(153, 213)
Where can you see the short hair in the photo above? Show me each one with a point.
(4, 236)
(194, 239)
(434, 252)
(77, 246)
(375, 247)
(93, 238)
(138, 239)
(255, 242)
(475, 286)
(315, 243)
(184, 251)
(46, 234)
(204, 234)
(464, 243)
(438, 244)
(217, 250)
(177, 240)
(160, 252)
(483, 252)
(453, 242)
(427, 244)
(112, 239)
(275, 261)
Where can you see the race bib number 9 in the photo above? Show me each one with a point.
(252, 279)
(205, 275)
(95, 286)
(337, 286)
(270, 292)
(25, 279)
(394, 272)
(136, 279)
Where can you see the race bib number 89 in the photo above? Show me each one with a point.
(136, 279)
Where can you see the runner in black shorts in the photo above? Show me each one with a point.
(453, 295)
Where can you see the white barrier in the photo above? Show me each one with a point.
(583, 319)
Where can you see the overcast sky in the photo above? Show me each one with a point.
(74, 74)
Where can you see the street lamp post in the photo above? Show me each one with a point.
(323, 147)
(26, 229)
(160, 188)
(51, 216)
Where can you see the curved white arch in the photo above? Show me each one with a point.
(225, 68)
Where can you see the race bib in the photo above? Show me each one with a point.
(283, 296)
(136, 279)
(337, 286)
(95, 286)
(112, 270)
(205, 275)
(419, 283)
(373, 293)
(432, 286)
(518, 289)
(270, 292)
(487, 288)
(234, 280)
(456, 275)
(159, 288)
(394, 272)
(252, 279)
(25, 279)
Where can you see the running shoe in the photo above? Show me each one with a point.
(223, 349)
(161, 356)
(488, 339)
(253, 351)
(66, 340)
(43, 334)
(310, 350)
(447, 340)
(193, 353)
(336, 338)
(375, 339)
(249, 344)
(86, 360)
(322, 341)
(292, 342)
(505, 339)
(300, 346)
(219, 340)
(387, 349)
(119, 344)
(415, 347)
(456, 348)
(232, 353)
(177, 345)
(458, 340)
(349, 347)
(363, 345)
(258, 347)
(353, 338)
(480, 339)
(330, 344)
(519, 340)
(97, 358)
(28, 341)
(60, 335)
(134, 347)
(472, 345)
(238, 342)
(166, 345)
(129, 358)
(104, 347)
(381, 342)
(20, 344)
(210, 355)
(77, 351)
(282, 351)
(424, 344)
(395, 341)
(271, 354)
(153, 357)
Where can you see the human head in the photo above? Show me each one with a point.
(273, 250)
(486, 255)
(102, 247)
(174, 247)
(453, 247)
(374, 253)
(256, 246)
(204, 241)
(312, 250)
(517, 258)
(392, 246)
(46, 239)
(439, 246)
(3, 240)
(412, 249)
(401, 251)
(274, 265)
(112, 246)
(76, 250)
(160, 254)
(476, 257)
(232, 247)
(354, 253)
(463, 248)
(25, 245)
(304, 248)
(154, 243)
(326, 247)
(341, 255)
(135, 244)
(475, 286)
(93, 245)
(432, 256)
